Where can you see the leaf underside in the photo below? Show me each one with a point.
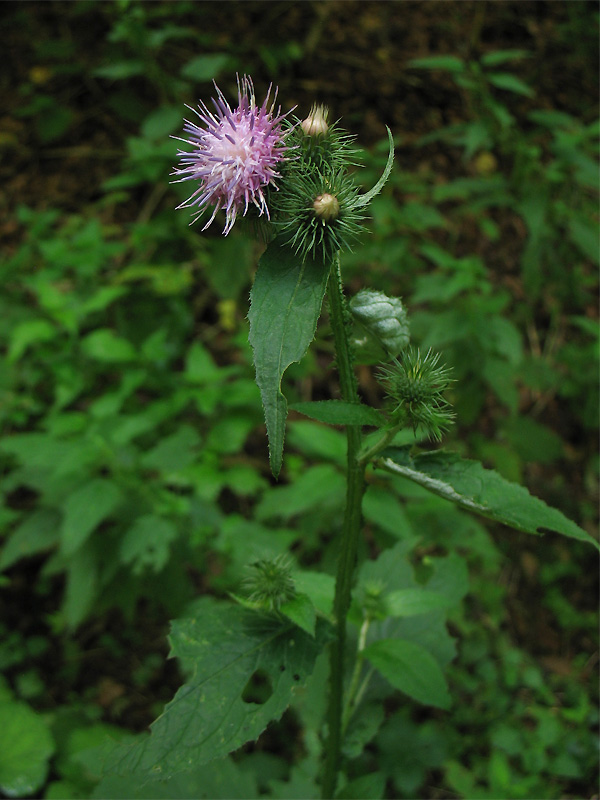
(286, 301)
(468, 484)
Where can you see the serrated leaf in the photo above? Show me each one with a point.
(365, 199)
(286, 302)
(339, 412)
(222, 647)
(84, 510)
(411, 669)
(468, 484)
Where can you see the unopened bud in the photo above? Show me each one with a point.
(327, 207)
(316, 122)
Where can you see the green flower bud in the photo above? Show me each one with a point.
(316, 122)
(415, 384)
(270, 584)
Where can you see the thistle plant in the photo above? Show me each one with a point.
(298, 175)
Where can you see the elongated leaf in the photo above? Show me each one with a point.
(286, 302)
(410, 668)
(85, 509)
(221, 648)
(365, 199)
(448, 63)
(483, 491)
(502, 56)
(338, 412)
(509, 82)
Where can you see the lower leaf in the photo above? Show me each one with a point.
(244, 670)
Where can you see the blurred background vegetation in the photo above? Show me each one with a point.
(134, 459)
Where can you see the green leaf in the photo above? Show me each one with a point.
(85, 509)
(371, 786)
(27, 333)
(147, 543)
(36, 533)
(25, 749)
(82, 586)
(509, 82)
(222, 648)
(104, 345)
(317, 487)
(205, 67)
(302, 612)
(320, 588)
(338, 412)
(410, 668)
(365, 199)
(225, 780)
(483, 491)
(502, 56)
(286, 302)
(447, 63)
(411, 602)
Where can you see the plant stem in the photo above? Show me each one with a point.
(350, 532)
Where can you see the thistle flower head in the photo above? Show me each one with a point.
(235, 154)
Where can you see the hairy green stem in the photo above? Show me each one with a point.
(350, 532)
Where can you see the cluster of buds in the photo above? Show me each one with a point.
(294, 174)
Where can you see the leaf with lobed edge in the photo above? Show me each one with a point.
(286, 301)
(468, 484)
(222, 648)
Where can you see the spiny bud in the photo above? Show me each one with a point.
(416, 383)
(327, 207)
(270, 584)
(316, 122)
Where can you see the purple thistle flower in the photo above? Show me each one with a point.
(235, 154)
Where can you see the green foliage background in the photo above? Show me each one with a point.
(135, 471)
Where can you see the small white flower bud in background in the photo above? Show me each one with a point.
(326, 207)
(316, 122)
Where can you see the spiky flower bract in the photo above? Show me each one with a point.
(317, 212)
(416, 384)
(270, 583)
(321, 144)
(236, 154)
